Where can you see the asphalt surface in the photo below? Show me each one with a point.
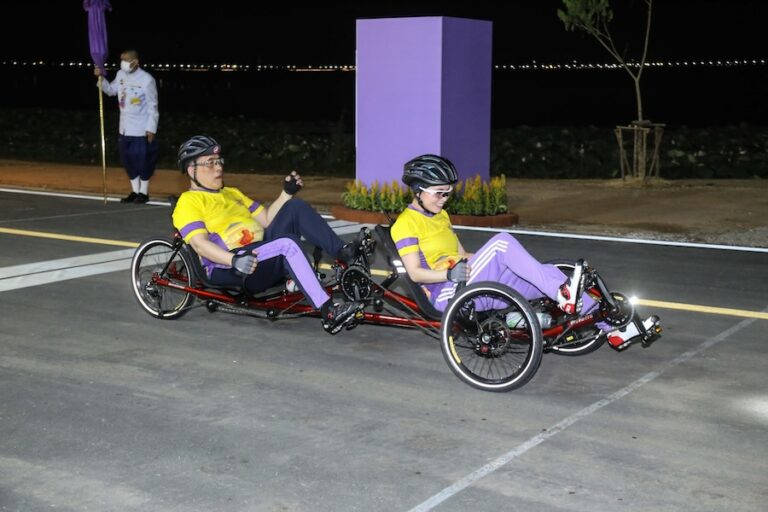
(105, 408)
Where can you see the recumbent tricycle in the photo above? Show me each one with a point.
(479, 343)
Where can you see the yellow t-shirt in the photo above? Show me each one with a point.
(430, 235)
(226, 217)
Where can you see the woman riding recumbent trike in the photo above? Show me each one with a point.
(491, 336)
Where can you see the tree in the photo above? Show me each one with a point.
(593, 17)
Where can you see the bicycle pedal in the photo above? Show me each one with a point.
(651, 335)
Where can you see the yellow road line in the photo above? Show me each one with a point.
(374, 271)
(703, 309)
(71, 238)
(643, 302)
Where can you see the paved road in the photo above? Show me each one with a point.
(104, 408)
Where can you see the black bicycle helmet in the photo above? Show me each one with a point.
(429, 170)
(199, 145)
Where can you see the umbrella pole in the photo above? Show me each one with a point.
(103, 143)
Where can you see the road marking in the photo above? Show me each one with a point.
(602, 238)
(70, 238)
(74, 196)
(374, 271)
(559, 427)
(52, 271)
(704, 309)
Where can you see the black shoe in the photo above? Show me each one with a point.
(130, 198)
(349, 252)
(344, 314)
(141, 198)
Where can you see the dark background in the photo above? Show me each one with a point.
(302, 33)
(324, 32)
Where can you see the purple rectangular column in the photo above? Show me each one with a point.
(423, 85)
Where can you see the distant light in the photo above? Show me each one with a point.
(573, 65)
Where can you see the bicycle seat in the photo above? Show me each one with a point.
(415, 290)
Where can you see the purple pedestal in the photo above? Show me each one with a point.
(423, 85)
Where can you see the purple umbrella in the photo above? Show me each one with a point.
(97, 36)
(97, 30)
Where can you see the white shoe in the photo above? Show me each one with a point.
(515, 320)
(623, 338)
(569, 294)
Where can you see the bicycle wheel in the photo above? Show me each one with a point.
(156, 257)
(589, 339)
(479, 346)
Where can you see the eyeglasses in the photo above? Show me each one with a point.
(437, 193)
(210, 164)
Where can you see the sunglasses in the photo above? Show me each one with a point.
(210, 164)
(437, 193)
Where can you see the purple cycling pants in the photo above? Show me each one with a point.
(504, 260)
(276, 259)
(295, 219)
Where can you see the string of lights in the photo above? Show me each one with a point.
(574, 65)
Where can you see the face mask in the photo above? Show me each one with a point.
(125, 66)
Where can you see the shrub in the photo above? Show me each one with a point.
(254, 145)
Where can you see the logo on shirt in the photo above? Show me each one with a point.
(246, 237)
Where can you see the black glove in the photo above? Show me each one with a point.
(291, 186)
(459, 273)
(244, 263)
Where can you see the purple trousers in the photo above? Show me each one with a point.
(504, 260)
(280, 252)
(138, 156)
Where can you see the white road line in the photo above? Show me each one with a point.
(618, 239)
(74, 196)
(336, 223)
(354, 228)
(559, 427)
(46, 272)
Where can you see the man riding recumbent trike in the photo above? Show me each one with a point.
(493, 324)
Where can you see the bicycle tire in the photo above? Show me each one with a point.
(483, 351)
(155, 256)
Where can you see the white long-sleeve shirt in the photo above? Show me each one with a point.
(137, 97)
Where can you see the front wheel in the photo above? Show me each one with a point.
(158, 258)
(478, 343)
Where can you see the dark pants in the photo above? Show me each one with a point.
(138, 156)
(294, 220)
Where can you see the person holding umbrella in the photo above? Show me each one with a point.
(137, 143)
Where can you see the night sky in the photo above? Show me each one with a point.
(324, 32)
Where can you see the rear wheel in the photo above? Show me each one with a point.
(588, 339)
(157, 258)
(478, 344)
